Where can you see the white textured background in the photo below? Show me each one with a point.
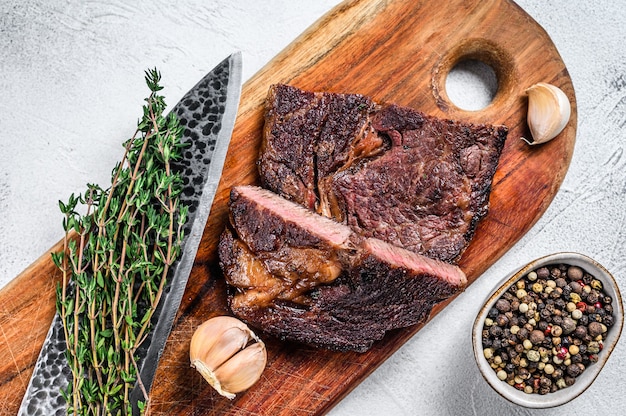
(71, 85)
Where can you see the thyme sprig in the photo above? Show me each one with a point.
(115, 260)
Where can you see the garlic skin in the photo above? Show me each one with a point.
(228, 354)
(549, 111)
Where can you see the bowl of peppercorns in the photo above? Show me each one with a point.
(546, 331)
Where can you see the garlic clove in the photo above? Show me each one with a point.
(243, 370)
(549, 111)
(211, 378)
(210, 332)
(227, 354)
(231, 341)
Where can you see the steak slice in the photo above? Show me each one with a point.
(399, 175)
(303, 277)
(311, 134)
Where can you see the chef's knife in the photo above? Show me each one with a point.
(208, 113)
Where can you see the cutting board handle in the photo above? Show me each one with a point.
(486, 51)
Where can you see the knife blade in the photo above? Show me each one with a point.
(208, 112)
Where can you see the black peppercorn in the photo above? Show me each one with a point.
(543, 273)
(522, 334)
(493, 312)
(495, 331)
(567, 291)
(595, 329)
(566, 342)
(545, 382)
(536, 337)
(503, 305)
(580, 331)
(574, 273)
(560, 282)
(576, 287)
(568, 325)
(502, 321)
(593, 297)
(558, 373)
(573, 370)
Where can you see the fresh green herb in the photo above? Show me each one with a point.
(115, 260)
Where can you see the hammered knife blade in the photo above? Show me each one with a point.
(208, 112)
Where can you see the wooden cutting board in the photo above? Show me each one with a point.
(394, 51)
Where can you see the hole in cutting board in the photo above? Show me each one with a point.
(471, 84)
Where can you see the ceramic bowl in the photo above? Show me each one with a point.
(584, 380)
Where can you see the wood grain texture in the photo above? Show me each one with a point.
(26, 310)
(396, 51)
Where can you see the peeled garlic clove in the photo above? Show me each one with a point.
(227, 354)
(549, 111)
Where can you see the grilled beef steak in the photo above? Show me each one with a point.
(310, 135)
(367, 208)
(301, 276)
(388, 172)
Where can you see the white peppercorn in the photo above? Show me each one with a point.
(533, 356)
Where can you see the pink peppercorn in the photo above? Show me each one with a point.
(548, 330)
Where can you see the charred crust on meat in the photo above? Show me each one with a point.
(363, 211)
(333, 288)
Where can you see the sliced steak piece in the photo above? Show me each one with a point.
(303, 277)
(309, 135)
(429, 190)
(296, 248)
(413, 180)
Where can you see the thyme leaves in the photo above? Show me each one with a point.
(119, 246)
